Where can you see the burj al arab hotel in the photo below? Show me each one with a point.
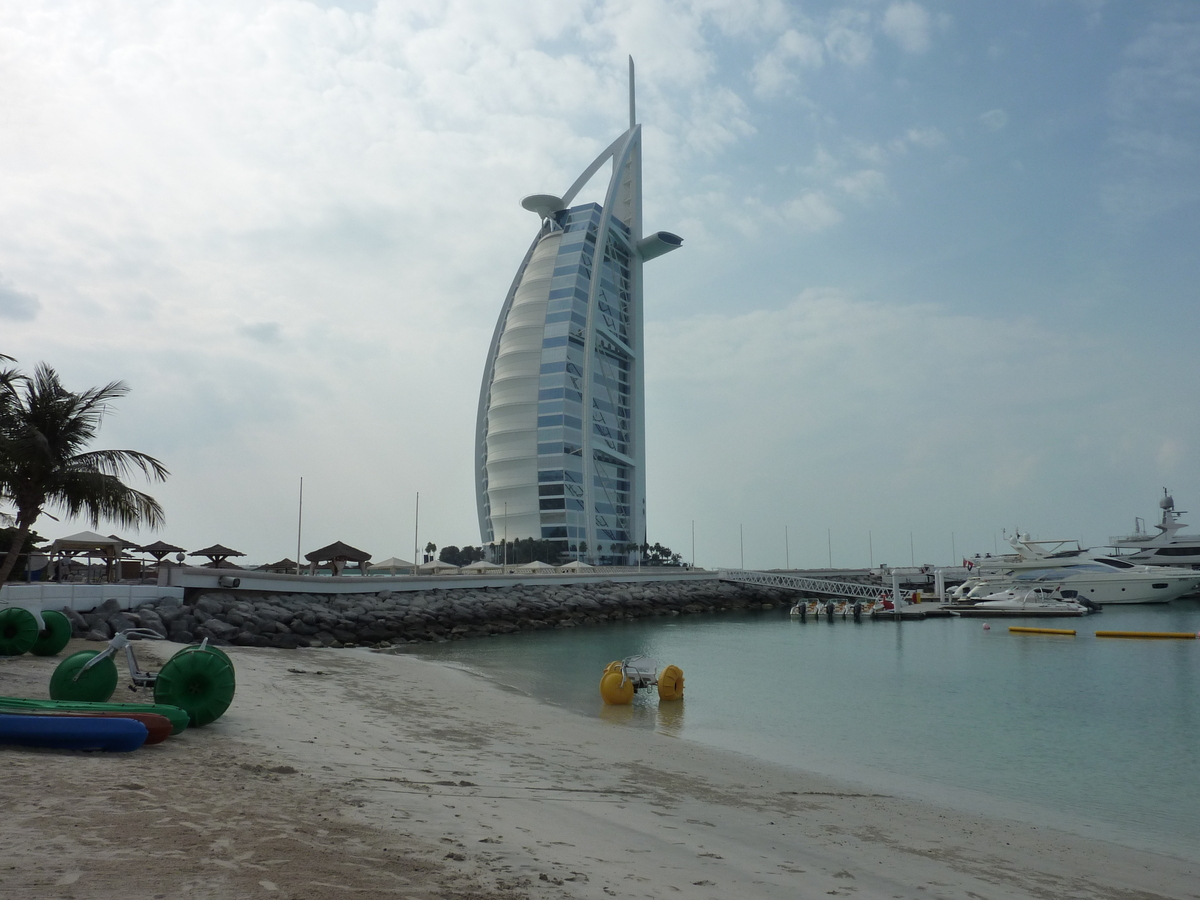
(560, 437)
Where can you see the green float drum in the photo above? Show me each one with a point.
(200, 682)
(95, 685)
(18, 631)
(54, 636)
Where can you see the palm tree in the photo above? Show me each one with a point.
(44, 430)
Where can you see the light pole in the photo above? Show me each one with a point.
(742, 546)
(299, 524)
(787, 553)
(416, 531)
(693, 543)
(506, 533)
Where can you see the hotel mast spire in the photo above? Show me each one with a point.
(632, 115)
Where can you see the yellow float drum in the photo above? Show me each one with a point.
(670, 683)
(615, 688)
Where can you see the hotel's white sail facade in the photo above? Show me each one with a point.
(560, 436)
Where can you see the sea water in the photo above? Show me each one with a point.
(1097, 736)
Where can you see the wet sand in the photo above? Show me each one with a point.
(349, 772)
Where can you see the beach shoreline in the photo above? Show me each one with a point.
(327, 757)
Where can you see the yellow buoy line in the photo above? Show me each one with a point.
(623, 678)
(1021, 630)
(1170, 635)
(1150, 635)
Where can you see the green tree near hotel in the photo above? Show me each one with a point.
(44, 432)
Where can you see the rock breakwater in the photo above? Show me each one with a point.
(384, 619)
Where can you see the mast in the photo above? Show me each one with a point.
(632, 107)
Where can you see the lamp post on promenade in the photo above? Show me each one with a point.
(299, 524)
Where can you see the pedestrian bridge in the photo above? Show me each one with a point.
(812, 585)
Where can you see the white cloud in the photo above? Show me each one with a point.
(864, 185)
(1153, 102)
(908, 24)
(774, 72)
(811, 211)
(927, 137)
(994, 119)
(848, 38)
(17, 305)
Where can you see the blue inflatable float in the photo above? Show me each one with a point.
(73, 733)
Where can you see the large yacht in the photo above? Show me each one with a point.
(1166, 548)
(1027, 554)
(1099, 579)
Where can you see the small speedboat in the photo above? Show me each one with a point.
(1037, 601)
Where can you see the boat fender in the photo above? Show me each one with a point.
(615, 688)
(670, 683)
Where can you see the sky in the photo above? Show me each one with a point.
(938, 279)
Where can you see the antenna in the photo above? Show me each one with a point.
(632, 113)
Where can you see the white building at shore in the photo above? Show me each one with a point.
(560, 437)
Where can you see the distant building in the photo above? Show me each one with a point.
(560, 437)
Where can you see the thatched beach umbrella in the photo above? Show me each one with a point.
(217, 556)
(159, 549)
(283, 566)
(337, 555)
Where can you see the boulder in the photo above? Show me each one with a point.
(210, 604)
(120, 622)
(150, 619)
(79, 625)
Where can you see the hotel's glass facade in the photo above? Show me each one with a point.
(560, 450)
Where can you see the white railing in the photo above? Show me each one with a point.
(56, 595)
(812, 585)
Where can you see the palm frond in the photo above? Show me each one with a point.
(97, 496)
(120, 463)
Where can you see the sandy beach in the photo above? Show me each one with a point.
(348, 772)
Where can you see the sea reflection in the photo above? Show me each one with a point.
(670, 717)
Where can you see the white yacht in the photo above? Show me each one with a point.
(1036, 601)
(1027, 554)
(1097, 579)
(1166, 548)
